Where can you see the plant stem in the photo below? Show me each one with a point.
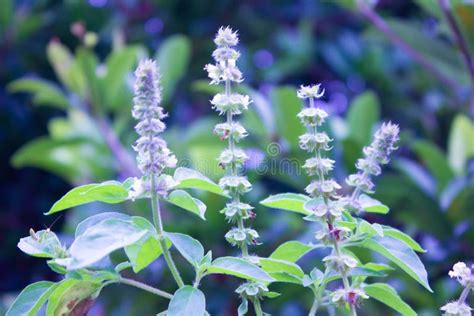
(316, 302)
(257, 307)
(464, 294)
(161, 238)
(145, 287)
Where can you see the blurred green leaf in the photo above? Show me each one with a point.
(108, 192)
(286, 106)
(190, 248)
(387, 295)
(395, 233)
(460, 143)
(6, 14)
(173, 59)
(239, 268)
(31, 299)
(287, 201)
(364, 112)
(271, 265)
(119, 64)
(76, 160)
(185, 201)
(436, 162)
(187, 301)
(44, 92)
(66, 68)
(88, 62)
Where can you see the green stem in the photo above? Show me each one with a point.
(257, 307)
(161, 238)
(464, 294)
(316, 302)
(145, 287)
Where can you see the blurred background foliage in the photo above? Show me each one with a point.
(66, 93)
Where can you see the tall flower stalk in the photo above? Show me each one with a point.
(327, 205)
(153, 155)
(232, 159)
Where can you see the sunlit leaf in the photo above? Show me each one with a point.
(31, 299)
(239, 268)
(187, 301)
(288, 201)
(185, 201)
(387, 295)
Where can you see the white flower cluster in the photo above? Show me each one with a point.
(326, 205)
(375, 155)
(232, 159)
(153, 155)
(464, 275)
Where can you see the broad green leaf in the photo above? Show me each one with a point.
(192, 179)
(363, 113)
(187, 301)
(6, 14)
(435, 161)
(44, 92)
(101, 239)
(280, 266)
(31, 299)
(143, 252)
(188, 247)
(108, 192)
(173, 59)
(287, 201)
(365, 227)
(291, 251)
(395, 233)
(387, 295)
(287, 105)
(184, 200)
(286, 278)
(43, 244)
(93, 220)
(460, 143)
(271, 294)
(239, 268)
(401, 254)
(69, 294)
(372, 205)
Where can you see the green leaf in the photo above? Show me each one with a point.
(287, 201)
(68, 294)
(173, 59)
(460, 143)
(87, 61)
(192, 179)
(287, 105)
(184, 200)
(363, 113)
(435, 160)
(44, 92)
(401, 254)
(66, 68)
(44, 244)
(188, 247)
(291, 251)
(108, 192)
(271, 265)
(143, 252)
(187, 301)
(31, 299)
(95, 219)
(372, 205)
(387, 295)
(72, 159)
(101, 239)
(239, 268)
(271, 294)
(395, 233)
(119, 64)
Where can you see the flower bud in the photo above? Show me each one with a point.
(312, 116)
(312, 142)
(252, 290)
(351, 296)
(313, 91)
(340, 263)
(235, 184)
(456, 309)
